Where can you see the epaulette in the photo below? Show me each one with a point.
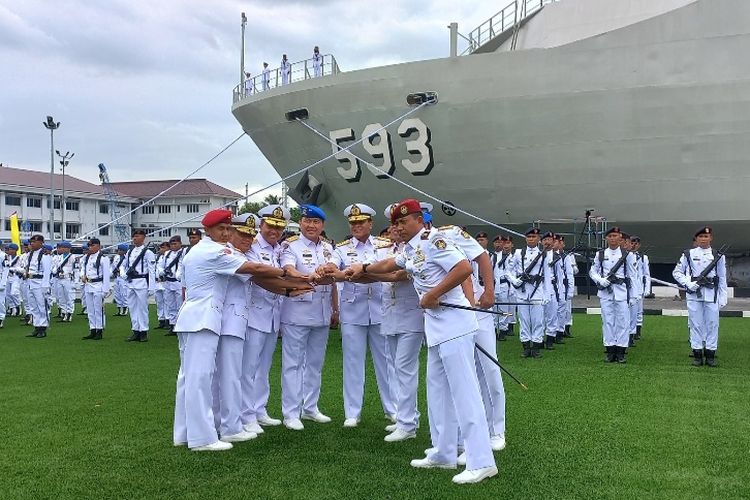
(445, 228)
(382, 238)
(383, 244)
(342, 243)
(292, 238)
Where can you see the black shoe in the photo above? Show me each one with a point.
(620, 354)
(697, 357)
(91, 335)
(610, 358)
(98, 334)
(143, 337)
(711, 358)
(511, 330)
(42, 332)
(559, 338)
(638, 332)
(134, 338)
(161, 325)
(69, 319)
(631, 340)
(548, 344)
(526, 350)
(567, 332)
(34, 333)
(535, 347)
(501, 335)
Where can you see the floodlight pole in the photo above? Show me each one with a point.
(51, 125)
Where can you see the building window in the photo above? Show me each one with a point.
(165, 233)
(7, 225)
(147, 210)
(57, 203)
(103, 209)
(35, 227)
(72, 205)
(104, 231)
(72, 230)
(56, 227)
(165, 209)
(193, 208)
(34, 202)
(11, 199)
(178, 209)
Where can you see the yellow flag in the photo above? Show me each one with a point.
(15, 235)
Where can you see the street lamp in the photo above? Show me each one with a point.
(51, 125)
(64, 160)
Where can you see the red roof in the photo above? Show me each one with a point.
(36, 179)
(189, 187)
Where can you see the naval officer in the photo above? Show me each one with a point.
(264, 323)
(706, 294)
(504, 292)
(305, 321)
(138, 269)
(37, 269)
(645, 271)
(168, 274)
(121, 284)
(13, 289)
(95, 276)
(438, 269)
(63, 270)
(208, 267)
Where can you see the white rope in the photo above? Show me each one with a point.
(413, 188)
(163, 192)
(283, 179)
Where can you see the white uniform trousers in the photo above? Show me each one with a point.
(138, 308)
(66, 295)
(256, 366)
(172, 303)
(354, 341)
(569, 311)
(404, 351)
(121, 292)
(38, 307)
(25, 296)
(490, 378)
(633, 312)
(550, 316)
(160, 309)
(194, 416)
(504, 322)
(303, 350)
(94, 300)
(455, 402)
(3, 292)
(52, 297)
(615, 322)
(703, 319)
(532, 322)
(229, 372)
(639, 318)
(13, 294)
(562, 315)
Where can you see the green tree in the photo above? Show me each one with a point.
(272, 199)
(295, 214)
(251, 206)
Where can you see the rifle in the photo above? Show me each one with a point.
(561, 256)
(612, 275)
(702, 279)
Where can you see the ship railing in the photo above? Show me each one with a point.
(300, 70)
(510, 16)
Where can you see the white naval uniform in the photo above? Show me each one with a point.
(646, 273)
(453, 394)
(249, 86)
(208, 268)
(504, 292)
(263, 326)
(635, 303)
(550, 307)
(317, 59)
(488, 374)
(227, 383)
(13, 286)
(96, 270)
(403, 326)
(703, 305)
(5, 260)
(571, 290)
(305, 321)
(167, 271)
(531, 316)
(121, 284)
(37, 270)
(286, 72)
(23, 283)
(141, 284)
(361, 309)
(62, 268)
(613, 300)
(265, 78)
(161, 310)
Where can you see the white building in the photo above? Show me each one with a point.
(190, 199)
(26, 192)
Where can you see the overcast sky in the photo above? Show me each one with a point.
(145, 87)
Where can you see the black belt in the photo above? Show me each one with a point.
(536, 278)
(502, 280)
(137, 276)
(171, 280)
(94, 280)
(36, 276)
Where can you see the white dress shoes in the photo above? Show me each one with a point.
(351, 422)
(498, 442)
(399, 435)
(253, 427)
(294, 424)
(217, 446)
(474, 476)
(462, 459)
(268, 421)
(391, 428)
(239, 437)
(316, 417)
(426, 463)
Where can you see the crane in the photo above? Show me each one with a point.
(121, 230)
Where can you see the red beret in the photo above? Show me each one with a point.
(217, 216)
(403, 208)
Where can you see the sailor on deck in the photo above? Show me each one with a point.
(286, 70)
(317, 62)
(265, 77)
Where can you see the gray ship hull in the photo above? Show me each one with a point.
(649, 124)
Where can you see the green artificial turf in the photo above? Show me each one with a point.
(85, 419)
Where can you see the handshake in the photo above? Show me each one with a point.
(325, 274)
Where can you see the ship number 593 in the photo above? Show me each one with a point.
(416, 137)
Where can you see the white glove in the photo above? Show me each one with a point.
(516, 282)
(722, 300)
(692, 286)
(545, 301)
(604, 283)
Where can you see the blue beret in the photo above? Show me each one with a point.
(123, 246)
(312, 212)
(47, 246)
(64, 244)
(12, 246)
(533, 230)
(25, 242)
(427, 217)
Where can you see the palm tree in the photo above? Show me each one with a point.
(272, 199)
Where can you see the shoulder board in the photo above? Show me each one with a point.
(291, 239)
(342, 243)
(425, 235)
(446, 228)
(383, 244)
(381, 238)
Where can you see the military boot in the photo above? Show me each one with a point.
(42, 332)
(133, 338)
(91, 335)
(526, 350)
(621, 354)
(711, 358)
(638, 332)
(34, 333)
(549, 343)
(631, 340)
(161, 325)
(98, 334)
(535, 347)
(143, 337)
(559, 338)
(697, 357)
(568, 333)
